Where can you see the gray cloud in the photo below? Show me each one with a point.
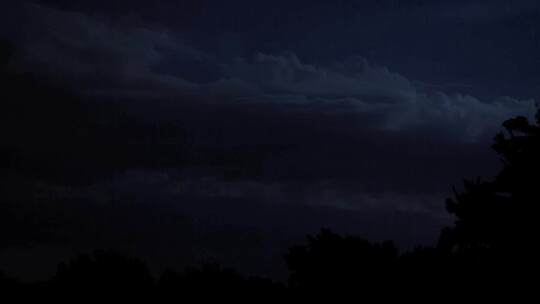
(107, 60)
(95, 56)
(368, 89)
(352, 78)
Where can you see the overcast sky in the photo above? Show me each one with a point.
(249, 124)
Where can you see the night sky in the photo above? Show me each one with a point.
(186, 131)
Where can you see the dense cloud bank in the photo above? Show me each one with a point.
(111, 126)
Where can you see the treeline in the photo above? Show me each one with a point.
(491, 249)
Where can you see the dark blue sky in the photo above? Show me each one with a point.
(257, 122)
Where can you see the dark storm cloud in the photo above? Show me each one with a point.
(146, 63)
(92, 55)
(373, 90)
(262, 117)
(232, 122)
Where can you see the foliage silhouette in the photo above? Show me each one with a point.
(214, 282)
(331, 261)
(105, 270)
(492, 241)
(497, 220)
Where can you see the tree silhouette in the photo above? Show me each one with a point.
(493, 239)
(211, 281)
(104, 272)
(499, 217)
(333, 262)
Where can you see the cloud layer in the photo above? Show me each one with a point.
(126, 62)
(137, 129)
